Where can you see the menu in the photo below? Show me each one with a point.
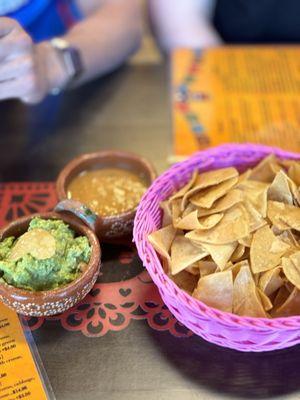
(235, 94)
(19, 376)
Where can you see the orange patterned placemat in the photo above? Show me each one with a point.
(123, 291)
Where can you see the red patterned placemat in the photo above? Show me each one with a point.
(123, 291)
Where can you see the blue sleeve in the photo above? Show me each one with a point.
(44, 19)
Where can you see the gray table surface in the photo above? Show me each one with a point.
(127, 110)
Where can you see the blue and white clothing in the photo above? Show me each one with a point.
(8, 6)
(42, 19)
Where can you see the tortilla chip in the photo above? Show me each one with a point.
(186, 187)
(289, 286)
(295, 258)
(246, 241)
(274, 214)
(291, 306)
(39, 243)
(246, 299)
(212, 178)
(189, 209)
(256, 221)
(185, 281)
(279, 190)
(252, 186)
(235, 268)
(207, 197)
(208, 179)
(223, 204)
(276, 167)
(266, 302)
(278, 246)
(220, 254)
(246, 255)
(266, 250)
(176, 211)
(256, 279)
(289, 238)
(270, 281)
(291, 268)
(189, 222)
(294, 191)
(276, 230)
(287, 186)
(162, 239)
(266, 170)
(233, 226)
(165, 263)
(210, 221)
(228, 266)
(167, 213)
(238, 253)
(280, 298)
(184, 253)
(206, 267)
(244, 177)
(216, 290)
(284, 216)
(256, 193)
(193, 269)
(294, 173)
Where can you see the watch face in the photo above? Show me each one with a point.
(70, 57)
(60, 43)
(74, 58)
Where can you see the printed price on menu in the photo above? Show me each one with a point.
(19, 377)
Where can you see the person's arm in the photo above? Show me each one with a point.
(183, 23)
(105, 39)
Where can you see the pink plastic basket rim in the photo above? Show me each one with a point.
(236, 320)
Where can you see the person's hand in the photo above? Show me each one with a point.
(24, 66)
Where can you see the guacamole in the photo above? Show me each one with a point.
(46, 257)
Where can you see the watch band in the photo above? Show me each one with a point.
(72, 62)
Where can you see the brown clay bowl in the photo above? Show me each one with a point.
(51, 302)
(111, 229)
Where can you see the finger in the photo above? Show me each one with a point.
(15, 68)
(14, 43)
(19, 88)
(33, 99)
(7, 25)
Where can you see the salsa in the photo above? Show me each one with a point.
(47, 256)
(108, 191)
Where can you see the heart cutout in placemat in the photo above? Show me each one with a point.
(125, 292)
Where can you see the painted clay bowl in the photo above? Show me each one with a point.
(51, 302)
(111, 229)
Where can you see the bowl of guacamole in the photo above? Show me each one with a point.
(48, 263)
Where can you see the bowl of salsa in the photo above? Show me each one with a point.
(107, 186)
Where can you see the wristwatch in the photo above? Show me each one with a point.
(71, 60)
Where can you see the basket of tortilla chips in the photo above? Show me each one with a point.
(220, 236)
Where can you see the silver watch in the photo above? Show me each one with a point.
(71, 60)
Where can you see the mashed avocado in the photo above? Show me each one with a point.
(69, 256)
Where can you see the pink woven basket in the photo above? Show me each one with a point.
(224, 329)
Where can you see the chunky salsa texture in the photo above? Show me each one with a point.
(36, 273)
